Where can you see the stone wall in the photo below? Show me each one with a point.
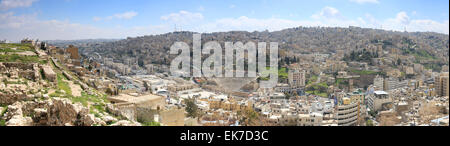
(125, 110)
(144, 114)
(21, 66)
(172, 117)
(10, 98)
(52, 112)
(24, 70)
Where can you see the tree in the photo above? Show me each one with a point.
(369, 123)
(249, 117)
(191, 108)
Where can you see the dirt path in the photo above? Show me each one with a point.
(76, 89)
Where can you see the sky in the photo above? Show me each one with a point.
(116, 19)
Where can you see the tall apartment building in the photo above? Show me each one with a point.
(442, 84)
(297, 78)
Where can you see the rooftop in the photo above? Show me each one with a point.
(134, 99)
(380, 92)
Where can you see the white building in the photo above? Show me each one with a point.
(376, 100)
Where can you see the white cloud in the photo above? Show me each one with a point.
(232, 6)
(11, 4)
(365, 1)
(429, 25)
(328, 17)
(14, 28)
(182, 17)
(327, 13)
(245, 23)
(402, 18)
(125, 15)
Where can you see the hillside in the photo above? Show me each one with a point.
(154, 48)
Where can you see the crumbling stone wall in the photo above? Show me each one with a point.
(21, 66)
(145, 114)
(25, 70)
(53, 112)
(10, 98)
(125, 110)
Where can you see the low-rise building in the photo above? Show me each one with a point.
(376, 100)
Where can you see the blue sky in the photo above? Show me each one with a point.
(89, 19)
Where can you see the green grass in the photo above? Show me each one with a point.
(365, 72)
(420, 54)
(20, 58)
(83, 100)
(63, 85)
(5, 108)
(323, 84)
(314, 89)
(19, 47)
(282, 73)
(312, 79)
(151, 124)
(2, 122)
(321, 94)
(15, 82)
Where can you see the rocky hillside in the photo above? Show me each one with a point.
(37, 91)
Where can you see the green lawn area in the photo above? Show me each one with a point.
(312, 79)
(319, 89)
(5, 48)
(282, 73)
(19, 58)
(63, 85)
(317, 93)
(151, 124)
(364, 72)
(19, 47)
(2, 122)
(420, 54)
